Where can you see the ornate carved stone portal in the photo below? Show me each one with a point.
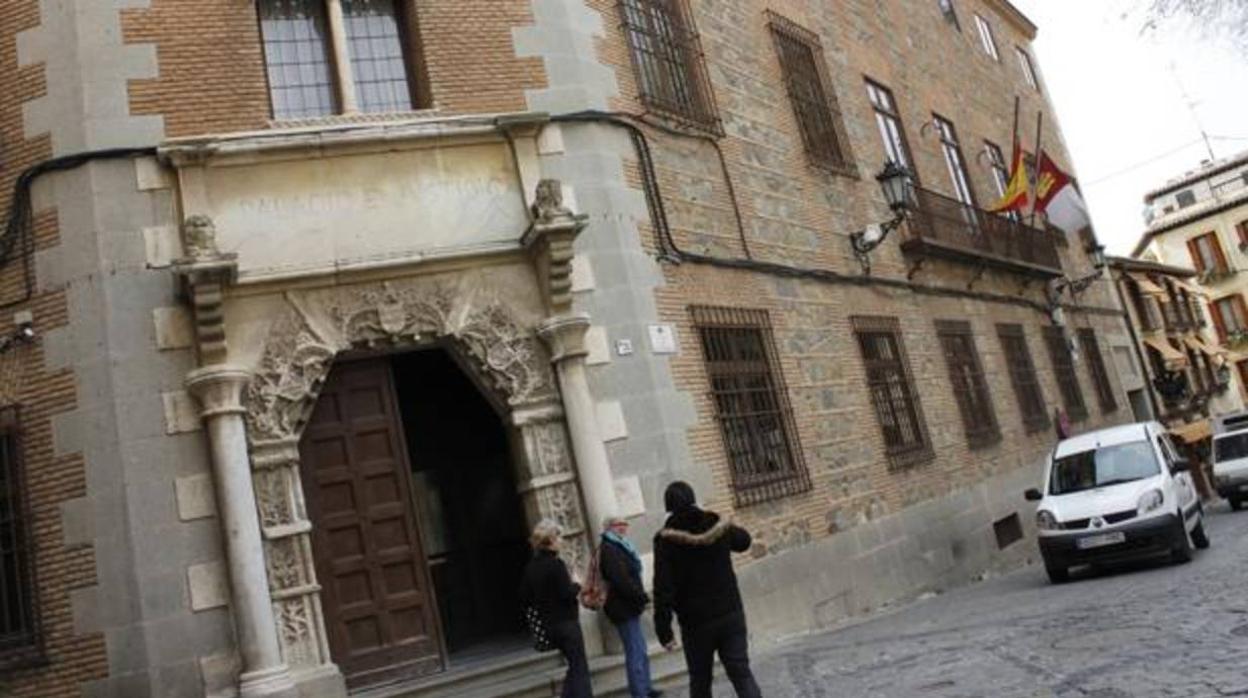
(504, 357)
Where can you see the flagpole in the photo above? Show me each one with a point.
(1031, 220)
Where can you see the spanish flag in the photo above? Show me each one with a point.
(1017, 192)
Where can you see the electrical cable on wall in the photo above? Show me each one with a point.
(17, 241)
(669, 250)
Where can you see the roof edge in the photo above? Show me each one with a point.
(1132, 264)
(1214, 169)
(1016, 17)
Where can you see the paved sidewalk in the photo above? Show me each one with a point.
(1152, 629)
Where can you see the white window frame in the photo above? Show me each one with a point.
(1029, 69)
(986, 38)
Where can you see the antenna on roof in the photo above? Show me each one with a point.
(1191, 106)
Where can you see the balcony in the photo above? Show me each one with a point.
(940, 226)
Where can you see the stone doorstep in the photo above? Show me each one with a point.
(532, 675)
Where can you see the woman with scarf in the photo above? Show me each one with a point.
(620, 565)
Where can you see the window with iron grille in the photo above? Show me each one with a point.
(891, 386)
(668, 61)
(19, 627)
(751, 403)
(811, 94)
(304, 81)
(1023, 377)
(1096, 369)
(1064, 371)
(892, 133)
(966, 375)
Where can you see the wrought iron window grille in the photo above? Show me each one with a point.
(751, 404)
(1023, 377)
(970, 389)
(668, 62)
(1064, 372)
(21, 639)
(811, 94)
(1096, 368)
(891, 386)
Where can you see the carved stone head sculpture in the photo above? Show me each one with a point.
(199, 237)
(548, 201)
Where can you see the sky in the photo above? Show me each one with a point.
(1120, 100)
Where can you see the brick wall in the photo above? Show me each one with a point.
(42, 393)
(212, 75)
(794, 213)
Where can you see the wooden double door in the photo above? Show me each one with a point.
(379, 606)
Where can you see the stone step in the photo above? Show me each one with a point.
(531, 675)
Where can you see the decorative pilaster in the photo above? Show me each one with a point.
(565, 335)
(218, 388)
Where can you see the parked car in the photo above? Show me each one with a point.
(1116, 494)
(1230, 457)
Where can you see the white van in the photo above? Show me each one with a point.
(1230, 457)
(1116, 494)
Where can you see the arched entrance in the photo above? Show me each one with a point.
(316, 329)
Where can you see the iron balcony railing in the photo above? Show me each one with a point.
(943, 226)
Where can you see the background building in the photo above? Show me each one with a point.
(334, 299)
(1200, 220)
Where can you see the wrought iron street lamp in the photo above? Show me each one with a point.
(898, 187)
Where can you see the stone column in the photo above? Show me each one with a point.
(218, 389)
(342, 59)
(205, 273)
(566, 337)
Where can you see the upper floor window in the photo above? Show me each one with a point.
(1000, 169)
(892, 133)
(892, 390)
(1230, 317)
(951, 15)
(1241, 230)
(304, 41)
(985, 37)
(751, 403)
(810, 92)
(953, 158)
(19, 636)
(667, 58)
(1185, 198)
(1029, 71)
(1207, 254)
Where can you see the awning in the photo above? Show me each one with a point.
(1191, 433)
(1194, 290)
(1168, 353)
(1147, 285)
(1199, 345)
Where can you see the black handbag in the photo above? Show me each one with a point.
(538, 630)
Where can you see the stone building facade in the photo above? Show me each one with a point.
(1185, 375)
(313, 283)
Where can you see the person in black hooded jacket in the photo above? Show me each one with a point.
(693, 577)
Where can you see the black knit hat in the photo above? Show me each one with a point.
(679, 495)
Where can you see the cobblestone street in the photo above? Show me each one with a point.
(1154, 629)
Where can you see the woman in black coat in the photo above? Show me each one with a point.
(549, 588)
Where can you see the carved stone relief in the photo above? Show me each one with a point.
(508, 360)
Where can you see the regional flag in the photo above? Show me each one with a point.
(1016, 193)
(1057, 198)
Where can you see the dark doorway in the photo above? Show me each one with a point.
(470, 516)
